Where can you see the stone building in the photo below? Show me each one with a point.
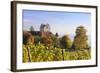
(45, 28)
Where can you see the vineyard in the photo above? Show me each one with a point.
(51, 47)
(41, 53)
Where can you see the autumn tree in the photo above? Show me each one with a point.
(27, 38)
(80, 40)
(47, 40)
(66, 41)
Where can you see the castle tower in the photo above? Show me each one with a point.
(45, 28)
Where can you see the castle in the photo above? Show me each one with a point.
(44, 30)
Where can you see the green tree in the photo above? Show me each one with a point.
(55, 40)
(38, 39)
(31, 28)
(80, 40)
(66, 41)
(56, 35)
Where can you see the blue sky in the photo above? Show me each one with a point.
(60, 22)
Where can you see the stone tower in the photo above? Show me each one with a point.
(45, 28)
